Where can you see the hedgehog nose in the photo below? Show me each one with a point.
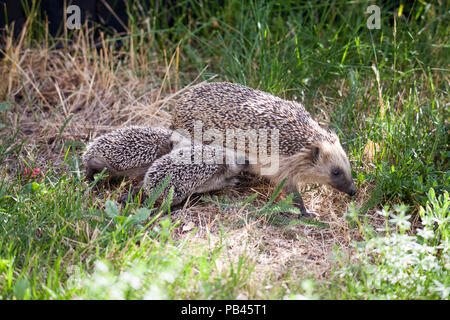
(352, 191)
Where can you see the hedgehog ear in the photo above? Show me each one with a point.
(171, 145)
(315, 154)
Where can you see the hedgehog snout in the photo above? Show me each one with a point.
(344, 185)
(352, 190)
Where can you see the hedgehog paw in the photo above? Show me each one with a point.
(308, 214)
(233, 182)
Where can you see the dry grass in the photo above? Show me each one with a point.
(76, 94)
(297, 250)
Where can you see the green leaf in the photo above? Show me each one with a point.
(168, 201)
(5, 106)
(111, 209)
(121, 220)
(35, 186)
(22, 289)
(28, 188)
(157, 191)
(431, 195)
(309, 222)
(249, 199)
(140, 215)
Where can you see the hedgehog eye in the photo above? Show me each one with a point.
(336, 172)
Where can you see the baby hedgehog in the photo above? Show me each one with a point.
(127, 151)
(305, 152)
(151, 154)
(193, 169)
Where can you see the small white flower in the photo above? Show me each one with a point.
(427, 221)
(100, 266)
(131, 279)
(441, 289)
(401, 221)
(101, 281)
(168, 276)
(115, 293)
(425, 233)
(155, 293)
(385, 213)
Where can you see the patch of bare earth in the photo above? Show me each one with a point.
(61, 96)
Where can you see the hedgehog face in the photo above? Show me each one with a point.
(179, 139)
(331, 166)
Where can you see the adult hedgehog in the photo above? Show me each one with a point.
(307, 153)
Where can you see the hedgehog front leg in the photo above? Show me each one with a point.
(298, 201)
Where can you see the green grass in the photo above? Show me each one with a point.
(60, 240)
(54, 232)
